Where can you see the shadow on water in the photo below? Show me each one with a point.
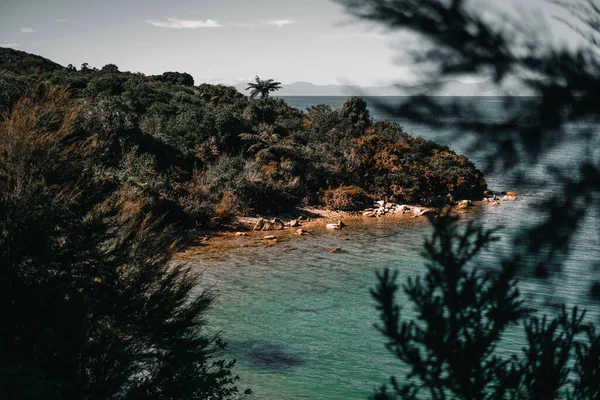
(267, 356)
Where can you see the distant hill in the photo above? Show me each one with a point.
(511, 87)
(21, 62)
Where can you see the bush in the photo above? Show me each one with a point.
(92, 305)
(346, 198)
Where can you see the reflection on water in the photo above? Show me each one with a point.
(300, 322)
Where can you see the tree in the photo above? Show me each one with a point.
(93, 305)
(458, 38)
(263, 87)
(462, 311)
(110, 68)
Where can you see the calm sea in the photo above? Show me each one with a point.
(300, 320)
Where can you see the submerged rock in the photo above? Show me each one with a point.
(337, 226)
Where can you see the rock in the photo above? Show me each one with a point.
(267, 226)
(484, 200)
(337, 226)
(270, 237)
(514, 194)
(369, 214)
(277, 224)
(294, 223)
(416, 210)
(335, 250)
(302, 232)
(273, 225)
(426, 212)
(301, 218)
(495, 204)
(380, 203)
(259, 224)
(509, 198)
(464, 204)
(241, 234)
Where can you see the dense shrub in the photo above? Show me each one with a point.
(92, 306)
(347, 198)
(211, 146)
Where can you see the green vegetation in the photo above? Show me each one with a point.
(101, 171)
(204, 154)
(463, 310)
(92, 305)
(263, 87)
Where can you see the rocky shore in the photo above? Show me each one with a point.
(267, 231)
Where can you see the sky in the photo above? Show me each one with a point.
(218, 41)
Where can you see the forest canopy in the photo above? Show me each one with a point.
(205, 154)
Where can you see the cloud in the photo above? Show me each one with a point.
(59, 20)
(279, 22)
(176, 23)
(27, 30)
(9, 45)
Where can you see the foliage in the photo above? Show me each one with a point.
(210, 153)
(93, 307)
(346, 198)
(20, 62)
(462, 312)
(263, 87)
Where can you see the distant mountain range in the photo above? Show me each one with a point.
(511, 87)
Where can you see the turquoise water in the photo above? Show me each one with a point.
(299, 319)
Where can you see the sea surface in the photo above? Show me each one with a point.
(300, 320)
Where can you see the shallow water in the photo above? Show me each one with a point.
(300, 320)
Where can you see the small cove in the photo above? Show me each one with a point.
(299, 319)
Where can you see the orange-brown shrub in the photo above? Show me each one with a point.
(345, 198)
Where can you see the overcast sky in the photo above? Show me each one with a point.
(214, 40)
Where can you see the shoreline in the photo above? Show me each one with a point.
(240, 234)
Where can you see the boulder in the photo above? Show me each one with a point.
(509, 198)
(511, 194)
(294, 223)
(277, 224)
(259, 224)
(270, 237)
(302, 232)
(267, 226)
(335, 250)
(369, 214)
(495, 204)
(241, 234)
(380, 203)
